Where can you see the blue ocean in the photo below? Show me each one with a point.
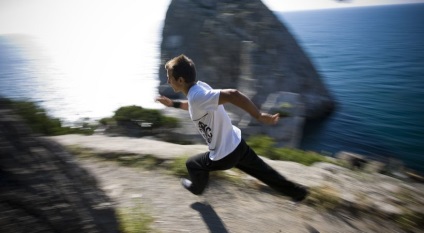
(370, 58)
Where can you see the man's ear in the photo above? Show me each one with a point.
(180, 80)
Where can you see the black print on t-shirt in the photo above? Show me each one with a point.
(206, 131)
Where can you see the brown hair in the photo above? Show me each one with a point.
(182, 66)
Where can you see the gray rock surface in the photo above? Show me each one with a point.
(371, 193)
(143, 146)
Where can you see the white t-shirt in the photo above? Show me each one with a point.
(212, 120)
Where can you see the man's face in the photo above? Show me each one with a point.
(175, 84)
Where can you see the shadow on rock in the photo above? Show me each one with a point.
(43, 189)
(210, 217)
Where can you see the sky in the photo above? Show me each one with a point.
(299, 5)
(40, 16)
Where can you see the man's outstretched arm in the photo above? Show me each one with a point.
(183, 104)
(240, 100)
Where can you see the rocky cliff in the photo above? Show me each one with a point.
(242, 44)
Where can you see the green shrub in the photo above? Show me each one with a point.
(300, 156)
(38, 119)
(169, 122)
(134, 112)
(107, 121)
(153, 116)
(265, 146)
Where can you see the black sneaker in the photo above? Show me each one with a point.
(187, 184)
(301, 195)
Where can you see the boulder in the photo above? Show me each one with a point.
(242, 44)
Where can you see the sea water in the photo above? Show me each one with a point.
(372, 61)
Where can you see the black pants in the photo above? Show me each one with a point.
(245, 159)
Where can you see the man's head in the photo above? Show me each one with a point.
(181, 72)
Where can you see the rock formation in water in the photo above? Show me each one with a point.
(242, 44)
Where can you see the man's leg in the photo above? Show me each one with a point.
(197, 167)
(253, 165)
(200, 165)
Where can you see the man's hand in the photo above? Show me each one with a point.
(183, 104)
(164, 100)
(268, 118)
